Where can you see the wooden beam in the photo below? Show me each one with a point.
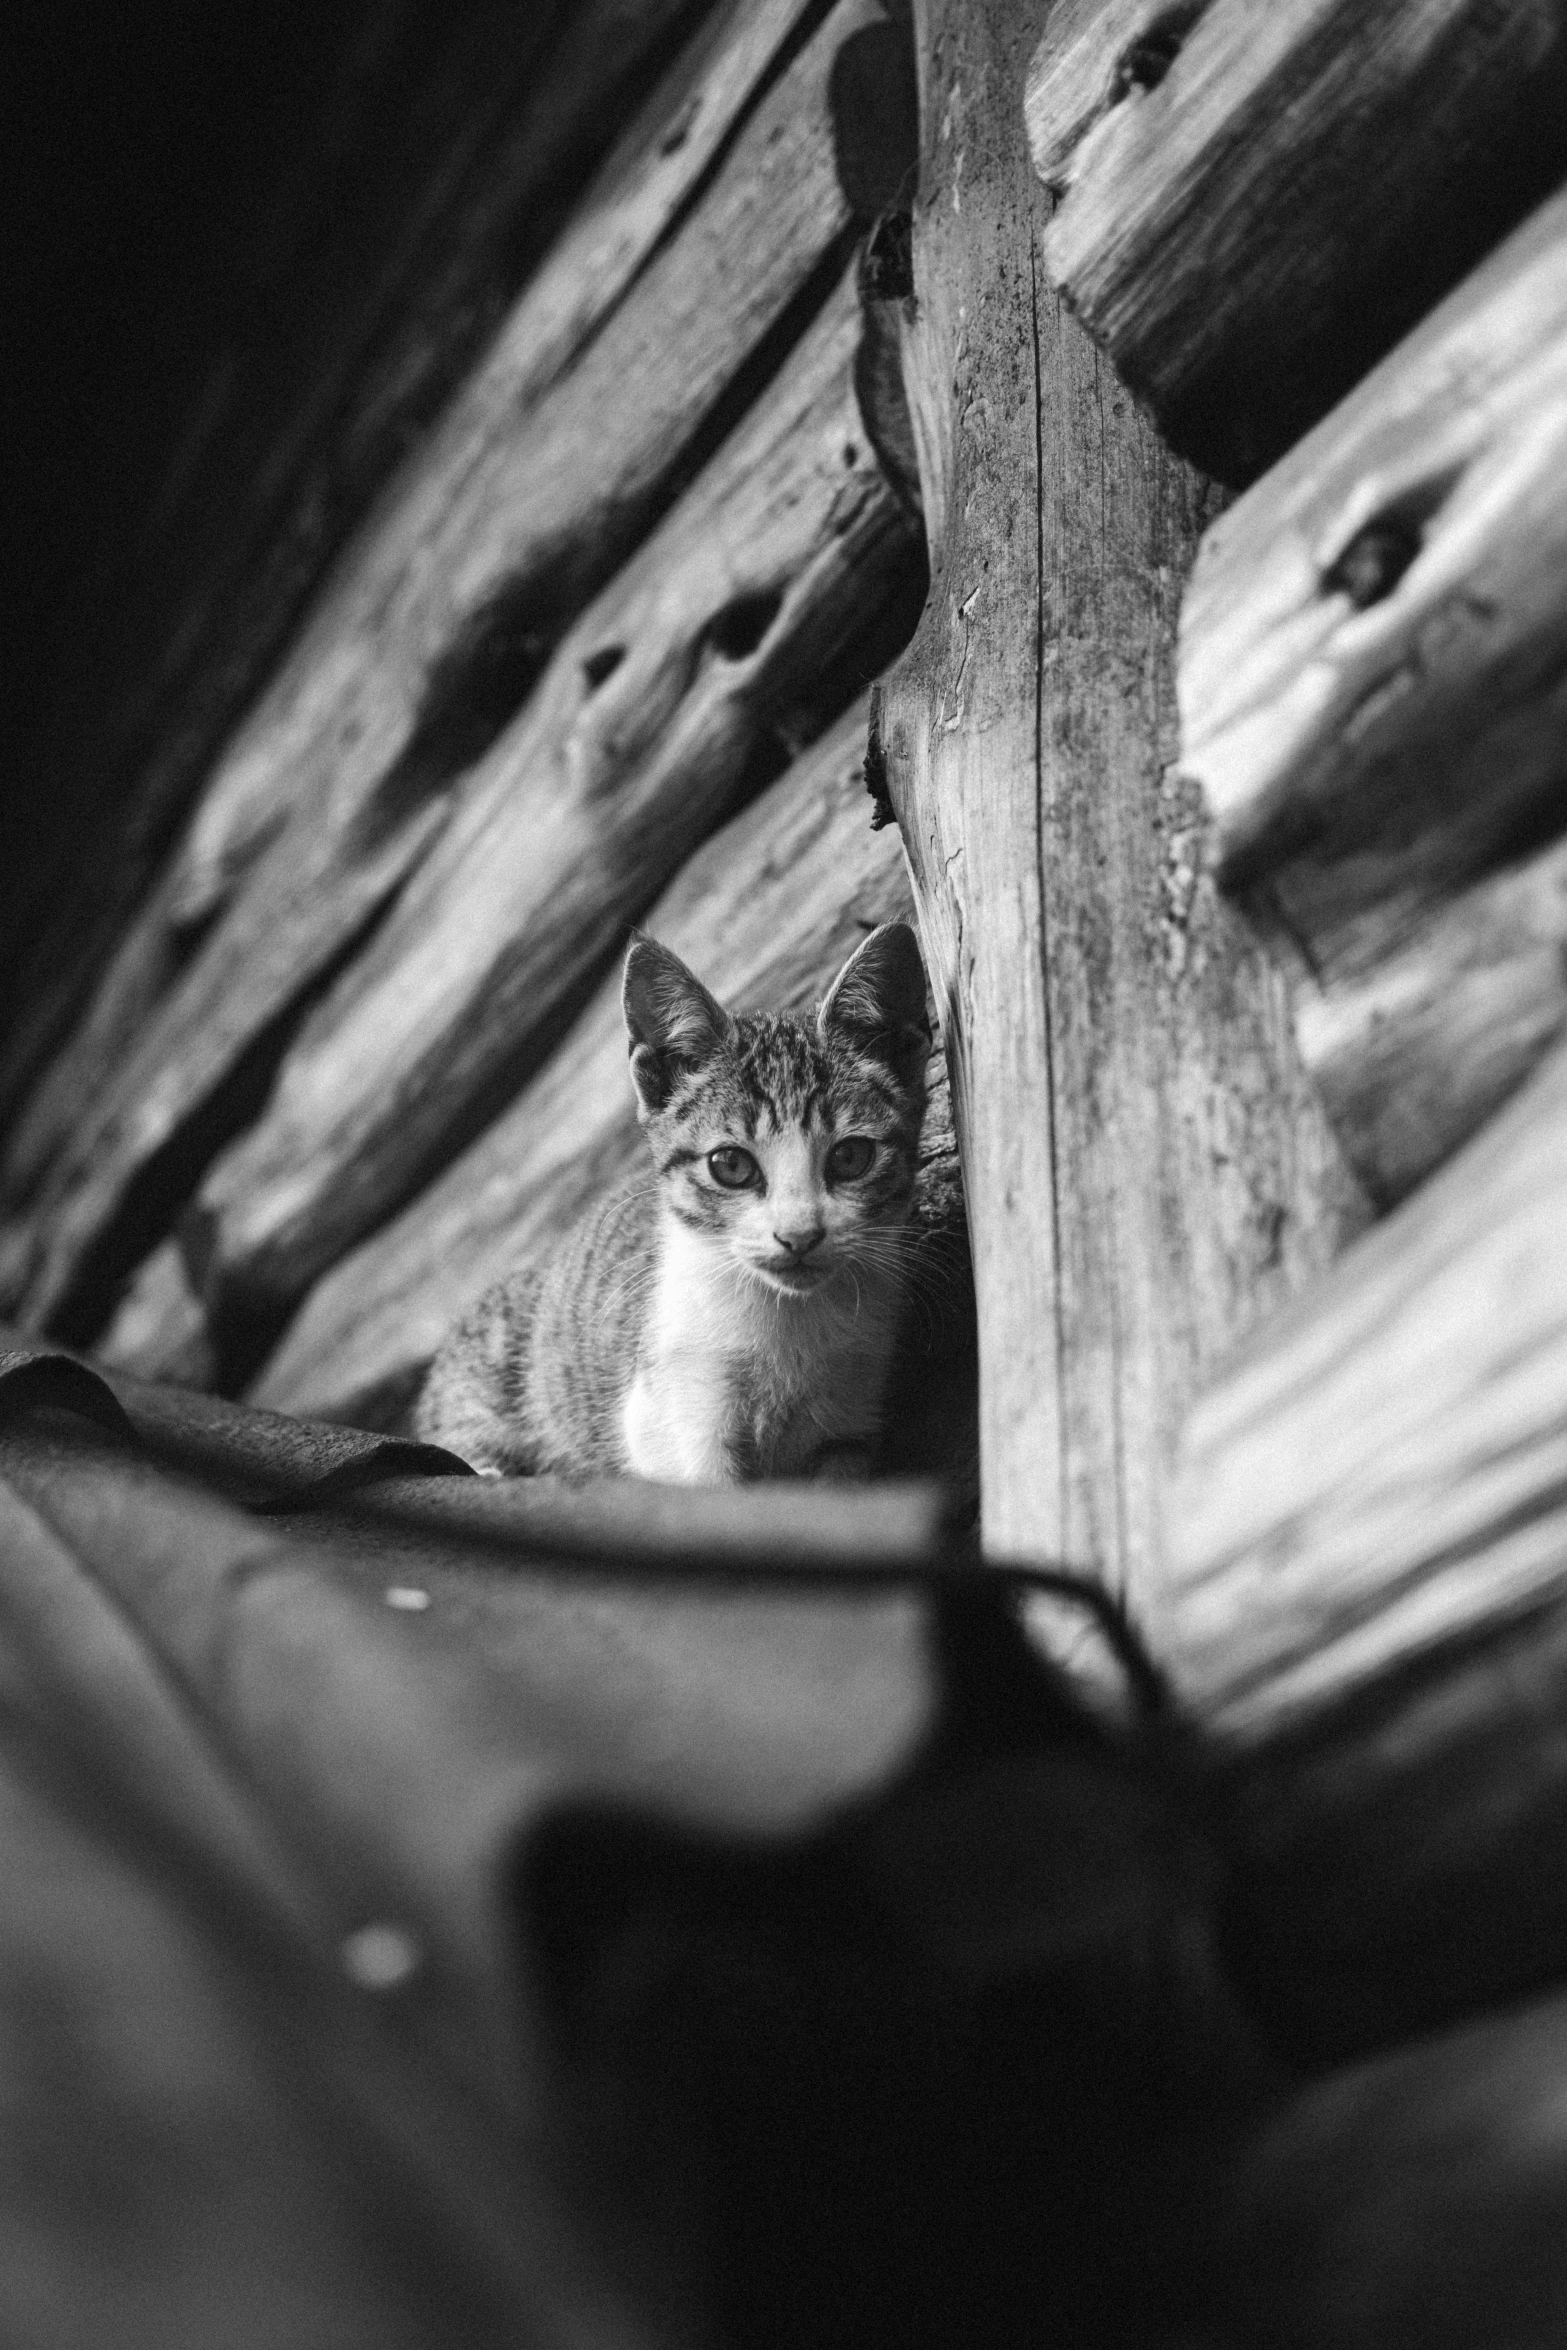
(379, 262)
(479, 484)
(1411, 1056)
(1259, 196)
(766, 912)
(425, 645)
(1372, 657)
(1144, 1166)
(1366, 1603)
(1385, 1468)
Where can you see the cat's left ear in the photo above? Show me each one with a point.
(877, 1002)
(672, 1021)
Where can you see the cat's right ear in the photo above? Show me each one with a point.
(671, 1020)
(877, 1002)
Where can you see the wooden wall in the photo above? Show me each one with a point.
(1163, 410)
(526, 540)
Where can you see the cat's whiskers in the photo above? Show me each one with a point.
(634, 1287)
(928, 1285)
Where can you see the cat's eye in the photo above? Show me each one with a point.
(732, 1168)
(851, 1158)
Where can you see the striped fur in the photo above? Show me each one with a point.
(706, 1331)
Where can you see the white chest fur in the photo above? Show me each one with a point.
(734, 1380)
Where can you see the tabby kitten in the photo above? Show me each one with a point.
(736, 1315)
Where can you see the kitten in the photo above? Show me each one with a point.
(737, 1315)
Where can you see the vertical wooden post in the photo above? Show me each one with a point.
(1145, 1166)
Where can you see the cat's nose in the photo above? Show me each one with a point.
(802, 1240)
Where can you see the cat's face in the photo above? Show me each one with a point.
(789, 1143)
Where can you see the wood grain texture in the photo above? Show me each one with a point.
(1383, 1473)
(1413, 1055)
(1259, 196)
(765, 912)
(656, 171)
(1366, 1607)
(1372, 662)
(426, 644)
(734, 631)
(1145, 1170)
(378, 259)
(515, 512)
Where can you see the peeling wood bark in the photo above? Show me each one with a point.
(733, 631)
(381, 263)
(1145, 1169)
(766, 912)
(1260, 196)
(428, 643)
(1372, 664)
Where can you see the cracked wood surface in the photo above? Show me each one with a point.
(1259, 196)
(1372, 655)
(1144, 1167)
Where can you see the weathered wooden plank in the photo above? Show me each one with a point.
(382, 256)
(1411, 1057)
(766, 911)
(1385, 1469)
(735, 629)
(429, 639)
(655, 172)
(1259, 196)
(630, 206)
(1361, 621)
(1144, 1167)
(1373, 654)
(1366, 1600)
